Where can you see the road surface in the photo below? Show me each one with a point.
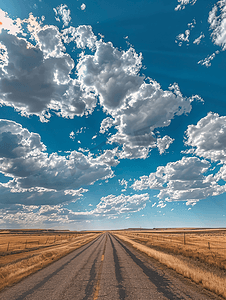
(106, 268)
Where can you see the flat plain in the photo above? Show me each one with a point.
(199, 254)
(106, 268)
(23, 252)
(124, 264)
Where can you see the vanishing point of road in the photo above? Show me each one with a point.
(108, 269)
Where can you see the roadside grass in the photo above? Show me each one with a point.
(212, 280)
(207, 246)
(17, 264)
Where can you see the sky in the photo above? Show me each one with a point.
(112, 114)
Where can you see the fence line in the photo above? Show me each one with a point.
(27, 244)
(182, 238)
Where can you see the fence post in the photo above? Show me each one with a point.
(8, 247)
(184, 239)
(209, 245)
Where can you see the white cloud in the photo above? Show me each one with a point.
(64, 13)
(164, 143)
(33, 215)
(113, 74)
(23, 157)
(115, 205)
(106, 124)
(83, 36)
(12, 26)
(109, 157)
(44, 69)
(217, 20)
(198, 40)
(72, 135)
(183, 3)
(81, 130)
(208, 137)
(123, 182)
(183, 37)
(183, 180)
(11, 195)
(83, 6)
(161, 204)
(192, 24)
(136, 108)
(50, 43)
(147, 109)
(207, 61)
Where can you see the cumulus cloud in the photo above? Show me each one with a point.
(183, 37)
(136, 105)
(115, 205)
(106, 124)
(208, 137)
(34, 215)
(109, 207)
(23, 157)
(183, 180)
(72, 135)
(11, 194)
(113, 74)
(124, 183)
(217, 21)
(109, 157)
(146, 110)
(83, 36)
(182, 4)
(164, 143)
(12, 26)
(35, 79)
(64, 13)
(191, 178)
(198, 40)
(83, 6)
(207, 61)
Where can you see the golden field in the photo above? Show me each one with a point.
(23, 252)
(197, 254)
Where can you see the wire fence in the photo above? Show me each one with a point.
(19, 243)
(211, 241)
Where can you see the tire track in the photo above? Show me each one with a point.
(118, 273)
(97, 286)
(89, 287)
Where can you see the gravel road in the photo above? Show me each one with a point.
(109, 269)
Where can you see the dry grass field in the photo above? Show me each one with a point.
(23, 252)
(197, 254)
(208, 246)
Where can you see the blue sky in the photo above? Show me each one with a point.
(113, 114)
